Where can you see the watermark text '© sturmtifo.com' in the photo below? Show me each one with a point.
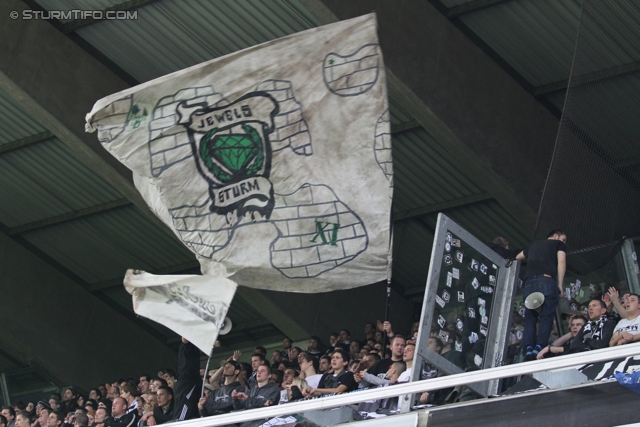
(75, 14)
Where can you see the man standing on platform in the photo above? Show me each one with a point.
(546, 266)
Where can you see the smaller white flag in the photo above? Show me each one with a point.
(191, 306)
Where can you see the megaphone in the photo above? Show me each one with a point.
(226, 326)
(534, 301)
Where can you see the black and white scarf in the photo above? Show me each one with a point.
(595, 328)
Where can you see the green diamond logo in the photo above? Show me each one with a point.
(232, 157)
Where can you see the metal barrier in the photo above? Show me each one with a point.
(418, 386)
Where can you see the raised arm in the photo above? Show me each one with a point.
(615, 299)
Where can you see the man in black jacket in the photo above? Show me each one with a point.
(186, 393)
(219, 400)
(164, 411)
(119, 416)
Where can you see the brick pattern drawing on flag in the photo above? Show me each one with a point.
(272, 164)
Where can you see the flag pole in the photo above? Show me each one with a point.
(388, 306)
(206, 370)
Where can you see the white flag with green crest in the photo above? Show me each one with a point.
(271, 164)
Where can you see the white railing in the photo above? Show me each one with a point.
(418, 386)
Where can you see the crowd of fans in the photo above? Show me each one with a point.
(289, 374)
(381, 358)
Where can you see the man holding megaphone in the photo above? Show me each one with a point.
(546, 266)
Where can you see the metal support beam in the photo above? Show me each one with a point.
(630, 261)
(174, 269)
(25, 228)
(631, 161)
(273, 313)
(472, 6)
(252, 324)
(544, 90)
(57, 66)
(5, 389)
(588, 78)
(25, 142)
(438, 207)
(402, 127)
(76, 24)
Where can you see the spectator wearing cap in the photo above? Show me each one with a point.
(10, 414)
(219, 400)
(628, 330)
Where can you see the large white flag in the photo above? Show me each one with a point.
(192, 306)
(271, 164)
